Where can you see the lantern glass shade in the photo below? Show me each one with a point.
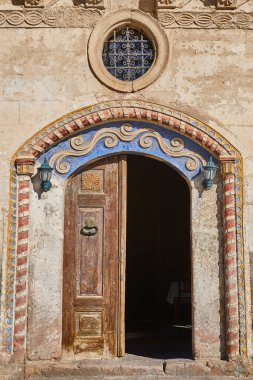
(210, 170)
(210, 173)
(45, 175)
(45, 171)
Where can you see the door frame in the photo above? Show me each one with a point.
(122, 254)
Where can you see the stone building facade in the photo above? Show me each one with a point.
(61, 105)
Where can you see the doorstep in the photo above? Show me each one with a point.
(137, 366)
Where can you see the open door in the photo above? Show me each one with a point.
(94, 260)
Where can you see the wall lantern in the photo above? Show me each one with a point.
(210, 170)
(45, 172)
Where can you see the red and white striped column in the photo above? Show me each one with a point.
(25, 169)
(230, 258)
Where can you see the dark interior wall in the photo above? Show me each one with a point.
(158, 237)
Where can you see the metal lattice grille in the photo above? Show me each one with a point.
(128, 54)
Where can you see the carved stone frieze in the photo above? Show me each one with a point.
(80, 17)
(162, 5)
(207, 20)
(58, 17)
(95, 4)
(226, 4)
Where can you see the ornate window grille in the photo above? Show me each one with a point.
(128, 54)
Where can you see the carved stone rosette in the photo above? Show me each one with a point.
(165, 4)
(226, 4)
(34, 4)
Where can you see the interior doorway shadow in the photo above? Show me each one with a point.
(171, 343)
(158, 262)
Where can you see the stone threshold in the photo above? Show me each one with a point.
(136, 367)
(128, 368)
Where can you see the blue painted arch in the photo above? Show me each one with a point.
(157, 138)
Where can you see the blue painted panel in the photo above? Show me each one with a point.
(132, 147)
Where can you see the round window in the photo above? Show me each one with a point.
(128, 54)
(128, 50)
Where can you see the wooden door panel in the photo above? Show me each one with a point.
(91, 271)
(90, 259)
(89, 323)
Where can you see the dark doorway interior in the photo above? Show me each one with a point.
(158, 265)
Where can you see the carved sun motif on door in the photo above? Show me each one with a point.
(90, 181)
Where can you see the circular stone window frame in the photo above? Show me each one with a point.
(136, 20)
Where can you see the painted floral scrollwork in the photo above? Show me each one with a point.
(111, 137)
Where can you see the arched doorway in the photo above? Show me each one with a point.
(158, 261)
(153, 129)
(154, 247)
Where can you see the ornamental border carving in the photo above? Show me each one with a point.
(58, 17)
(206, 20)
(71, 17)
(111, 137)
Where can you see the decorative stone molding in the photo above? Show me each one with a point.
(24, 169)
(230, 256)
(126, 133)
(25, 165)
(58, 17)
(137, 20)
(207, 20)
(218, 4)
(78, 17)
(226, 4)
(228, 165)
(94, 4)
(22, 264)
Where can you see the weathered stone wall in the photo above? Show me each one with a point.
(45, 74)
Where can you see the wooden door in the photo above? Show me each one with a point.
(94, 257)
